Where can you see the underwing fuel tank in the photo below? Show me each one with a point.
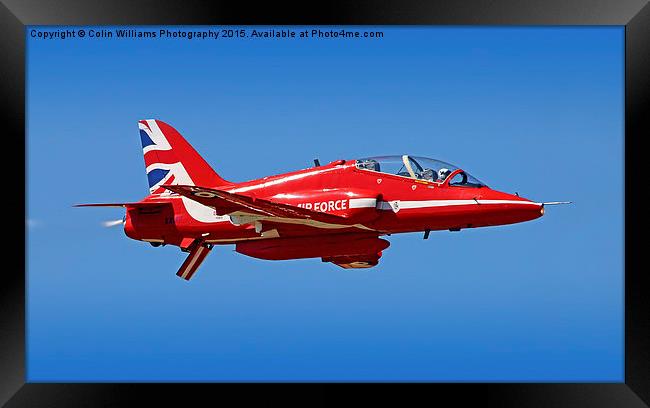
(313, 247)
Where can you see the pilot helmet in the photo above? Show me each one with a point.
(443, 173)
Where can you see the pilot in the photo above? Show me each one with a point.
(369, 165)
(428, 174)
(442, 174)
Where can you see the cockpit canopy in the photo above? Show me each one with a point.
(420, 168)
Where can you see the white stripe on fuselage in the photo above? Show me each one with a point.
(446, 203)
(362, 203)
(206, 214)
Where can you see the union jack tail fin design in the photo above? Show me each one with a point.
(169, 159)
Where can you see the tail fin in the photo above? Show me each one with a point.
(170, 160)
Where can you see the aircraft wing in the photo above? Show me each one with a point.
(227, 203)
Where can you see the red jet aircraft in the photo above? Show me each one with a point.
(336, 212)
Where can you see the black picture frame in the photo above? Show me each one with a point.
(633, 14)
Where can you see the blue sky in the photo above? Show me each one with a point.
(533, 110)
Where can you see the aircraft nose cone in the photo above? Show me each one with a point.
(532, 209)
(527, 208)
(513, 208)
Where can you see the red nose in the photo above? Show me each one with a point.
(507, 208)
